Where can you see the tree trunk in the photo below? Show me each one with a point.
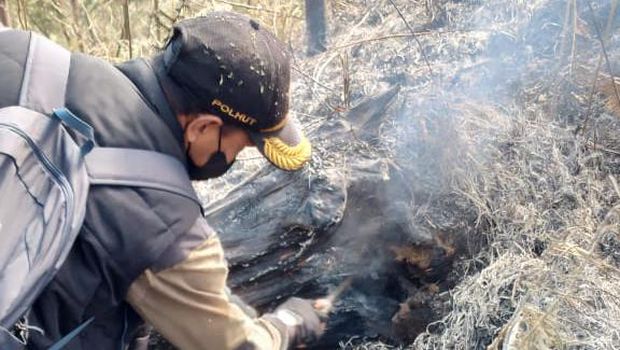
(316, 26)
(4, 14)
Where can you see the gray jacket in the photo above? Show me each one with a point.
(126, 230)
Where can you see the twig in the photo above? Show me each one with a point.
(602, 40)
(92, 30)
(342, 287)
(414, 36)
(167, 16)
(22, 14)
(380, 38)
(260, 9)
(76, 26)
(583, 127)
(318, 71)
(563, 36)
(559, 78)
(325, 305)
(306, 75)
(346, 81)
(573, 49)
(615, 184)
(157, 20)
(61, 19)
(182, 5)
(127, 27)
(598, 147)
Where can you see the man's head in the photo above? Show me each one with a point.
(234, 79)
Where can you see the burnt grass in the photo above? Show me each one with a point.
(476, 207)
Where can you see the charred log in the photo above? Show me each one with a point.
(291, 234)
(285, 234)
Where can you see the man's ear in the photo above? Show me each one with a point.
(199, 124)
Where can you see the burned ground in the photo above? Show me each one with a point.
(465, 168)
(470, 191)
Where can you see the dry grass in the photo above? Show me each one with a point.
(119, 30)
(496, 131)
(549, 278)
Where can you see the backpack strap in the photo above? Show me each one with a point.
(110, 166)
(44, 89)
(46, 72)
(69, 337)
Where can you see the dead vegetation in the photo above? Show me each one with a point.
(530, 143)
(507, 131)
(119, 30)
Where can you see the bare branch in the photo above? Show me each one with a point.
(414, 36)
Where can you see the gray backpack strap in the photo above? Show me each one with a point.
(139, 168)
(45, 75)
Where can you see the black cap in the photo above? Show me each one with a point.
(228, 65)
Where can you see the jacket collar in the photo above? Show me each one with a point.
(143, 73)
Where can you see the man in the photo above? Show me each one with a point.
(220, 85)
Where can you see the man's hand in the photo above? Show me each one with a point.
(302, 321)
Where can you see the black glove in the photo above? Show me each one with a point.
(299, 320)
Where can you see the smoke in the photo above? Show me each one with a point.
(404, 185)
(419, 182)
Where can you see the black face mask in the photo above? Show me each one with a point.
(216, 166)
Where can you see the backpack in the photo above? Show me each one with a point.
(48, 162)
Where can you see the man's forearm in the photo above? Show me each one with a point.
(189, 305)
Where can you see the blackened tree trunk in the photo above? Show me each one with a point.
(4, 13)
(316, 26)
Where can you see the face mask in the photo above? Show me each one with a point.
(216, 166)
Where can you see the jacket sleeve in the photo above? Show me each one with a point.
(189, 305)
